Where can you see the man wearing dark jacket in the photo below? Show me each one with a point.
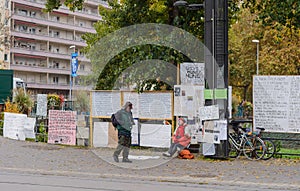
(125, 120)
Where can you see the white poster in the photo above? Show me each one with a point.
(222, 126)
(276, 103)
(105, 103)
(208, 149)
(29, 128)
(155, 135)
(132, 97)
(156, 105)
(208, 136)
(135, 133)
(187, 100)
(192, 73)
(100, 135)
(41, 108)
(209, 112)
(13, 127)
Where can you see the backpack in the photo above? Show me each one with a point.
(185, 154)
(114, 120)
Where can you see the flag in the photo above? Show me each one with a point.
(74, 64)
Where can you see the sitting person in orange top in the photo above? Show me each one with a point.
(180, 139)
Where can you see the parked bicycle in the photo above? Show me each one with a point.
(247, 143)
(270, 145)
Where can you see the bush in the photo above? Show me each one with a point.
(23, 100)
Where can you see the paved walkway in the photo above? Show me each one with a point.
(41, 158)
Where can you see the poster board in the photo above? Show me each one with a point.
(187, 100)
(41, 108)
(155, 135)
(209, 112)
(155, 105)
(133, 97)
(100, 135)
(13, 127)
(105, 103)
(212, 132)
(62, 127)
(276, 103)
(192, 73)
(29, 127)
(135, 133)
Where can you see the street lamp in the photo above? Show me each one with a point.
(257, 55)
(188, 6)
(71, 78)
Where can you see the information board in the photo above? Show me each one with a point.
(105, 103)
(209, 112)
(41, 108)
(133, 97)
(156, 105)
(13, 127)
(62, 127)
(187, 100)
(155, 135)
(100, 135)
(276, 103)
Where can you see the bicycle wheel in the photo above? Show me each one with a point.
(270, 149)
(254, 148)
(232, 151)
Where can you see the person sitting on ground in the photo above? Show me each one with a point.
(180, 139)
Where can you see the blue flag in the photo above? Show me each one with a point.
(74, 64)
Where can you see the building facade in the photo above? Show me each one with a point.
(40, 43)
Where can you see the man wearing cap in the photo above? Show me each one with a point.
(180, 139)
(125, 120)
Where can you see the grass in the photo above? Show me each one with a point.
(289, 151)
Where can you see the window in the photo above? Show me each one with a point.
(6, 4)
(56, 34)
(23, 12)
(32, 30)
(32, 13)
(5, 57)
(23, 28)
(32, 47)
(55, 80)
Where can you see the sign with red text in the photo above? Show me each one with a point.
(62, 127)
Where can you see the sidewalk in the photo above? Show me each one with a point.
(41, 158)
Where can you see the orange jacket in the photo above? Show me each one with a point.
(180, 137)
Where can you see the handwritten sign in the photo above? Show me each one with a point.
(209, 112)
(192, 73)
(13, 127)
(28, 129)
(104, 103)
(62, 127)
(41, 108)
(276, 103)
(133, 97)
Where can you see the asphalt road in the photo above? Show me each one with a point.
(29, 182)
(38, 166)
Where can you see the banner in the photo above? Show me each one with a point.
(74, 64)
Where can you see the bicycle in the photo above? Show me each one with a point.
(270, 145)
(252, 146)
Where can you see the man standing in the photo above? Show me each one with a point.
(125, 120)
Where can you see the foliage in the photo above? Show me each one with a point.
(23, 100)
(270, 12)
(54, 101)
(11, 107)
(71, 4)
(42, 135)
(82, 100)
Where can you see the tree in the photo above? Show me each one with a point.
(284, 12)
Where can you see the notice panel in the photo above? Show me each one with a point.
(276, 103)
(104, 103)
(62, 127)
(155, 105)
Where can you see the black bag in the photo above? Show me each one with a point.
(114, 120)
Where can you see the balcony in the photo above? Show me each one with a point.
(62, 9)
(53, 24)
(47, 38)
(46, 54)
(39, 69)
(58, 86)
(97, 2)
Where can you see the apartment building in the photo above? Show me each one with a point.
(41, 43)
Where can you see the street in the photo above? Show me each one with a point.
(39, 166)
